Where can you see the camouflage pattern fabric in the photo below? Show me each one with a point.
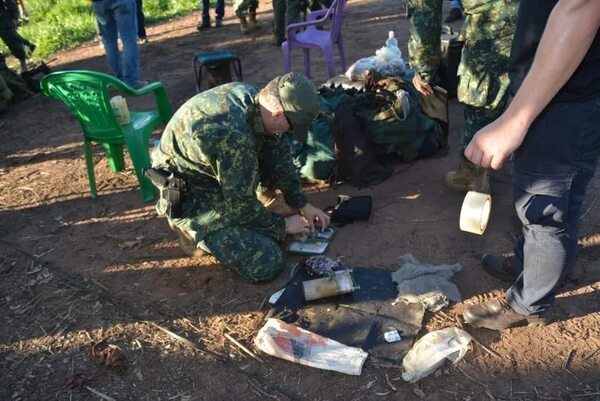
(488, 31)
(253, 256)
(17, 86)
(285, 12)
(217, 141)
(244, 7)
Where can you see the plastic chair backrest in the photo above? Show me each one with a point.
(337, 19)
(86, 94)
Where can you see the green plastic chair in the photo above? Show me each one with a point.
(86, 94)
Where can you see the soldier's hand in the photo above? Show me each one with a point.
(422, 86)
(296, 224)
(494, 143)
(315, 215)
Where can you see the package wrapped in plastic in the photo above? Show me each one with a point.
(387, 62)
(432, 349)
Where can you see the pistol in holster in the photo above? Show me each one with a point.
(171, 188)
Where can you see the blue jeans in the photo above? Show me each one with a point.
(219, 10)
(551, 171)
(117, 18)
(456, 4)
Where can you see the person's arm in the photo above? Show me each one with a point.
(568, 35)
(235, 165)
(424, 43)
(278, 168)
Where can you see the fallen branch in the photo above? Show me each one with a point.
(242, 347)
(99, 394)
(568, 360)
(182, 340)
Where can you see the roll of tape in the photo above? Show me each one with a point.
(475, 212)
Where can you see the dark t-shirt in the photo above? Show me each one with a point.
(533, 15)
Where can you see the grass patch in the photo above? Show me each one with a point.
(63, 24)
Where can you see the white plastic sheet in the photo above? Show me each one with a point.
(430, 351)
(294, 344)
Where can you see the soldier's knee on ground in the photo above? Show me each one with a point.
(253, 256)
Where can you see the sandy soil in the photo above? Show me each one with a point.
(74, 270)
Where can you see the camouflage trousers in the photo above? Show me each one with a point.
(244, 7)
(252, 255)
(285, 12)
(249, 253)
(484, 84)
(475, 118)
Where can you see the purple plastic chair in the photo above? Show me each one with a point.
(313, 38)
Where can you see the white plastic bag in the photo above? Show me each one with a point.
(430, 351)
(387, 62)
(294, 344)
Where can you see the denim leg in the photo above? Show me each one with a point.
(108, 32)
(456, 4)
(220, 10)
(126, 20)
(205, 10)
(551, 172)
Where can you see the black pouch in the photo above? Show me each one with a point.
(351, 208)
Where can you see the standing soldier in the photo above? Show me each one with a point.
(9, 20)
(248, 8)
(285, 12)
(483, 89)
(216, 150)
(219, 14)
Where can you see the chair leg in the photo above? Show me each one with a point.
(307, 62)
(342, 57)
(89, 164)
(114, 154)
(328, 52)
(287, 64)
(137, 145)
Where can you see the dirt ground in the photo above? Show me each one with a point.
(74, 271)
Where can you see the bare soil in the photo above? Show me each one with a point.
(75, 271)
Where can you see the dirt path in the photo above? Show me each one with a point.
(74, 270)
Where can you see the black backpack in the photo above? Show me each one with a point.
(356, 156)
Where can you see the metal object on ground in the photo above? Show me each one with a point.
(337, 283)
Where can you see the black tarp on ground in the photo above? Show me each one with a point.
(359, 319)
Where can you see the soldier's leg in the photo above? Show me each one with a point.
(241, 10)
(279, 21)
(253, 256)
(253, 23)
(483, 91)
(205, 19)
(219, 13)
(470, 177)
(13, 41)
(293, 10)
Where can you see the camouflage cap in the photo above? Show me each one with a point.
(299, 99)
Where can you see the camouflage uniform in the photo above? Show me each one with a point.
(488, 31)
(218, 142)
(245, 7)
(285, 12)
(12, 86)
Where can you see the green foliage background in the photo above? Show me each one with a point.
(61, 24)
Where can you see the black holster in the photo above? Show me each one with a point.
(171, 189)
